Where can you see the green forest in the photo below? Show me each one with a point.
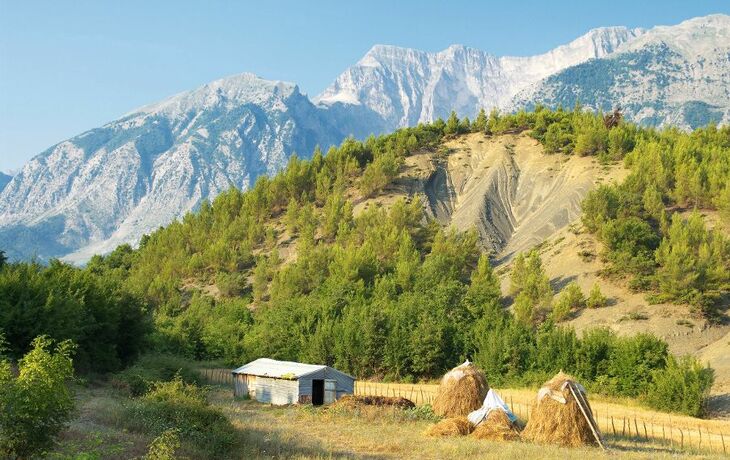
(389, 294)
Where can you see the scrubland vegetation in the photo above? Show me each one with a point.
(387, 293)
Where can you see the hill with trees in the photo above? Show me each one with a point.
(322, 263)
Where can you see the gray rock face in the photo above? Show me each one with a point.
(112, 184)
(678, 75)
(4, 180)
(406, 86)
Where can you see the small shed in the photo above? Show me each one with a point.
(285, 382)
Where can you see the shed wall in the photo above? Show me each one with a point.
(345, 383)
(276, 391)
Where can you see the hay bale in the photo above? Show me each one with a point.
(461, 391)
(497, 427)
(554, 422)
(454, 426)
(354, 401)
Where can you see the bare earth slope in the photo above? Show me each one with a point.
(517, 197)
(514, 194)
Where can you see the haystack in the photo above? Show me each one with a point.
(558, 418)
(497, 427)
(454, 426)
(461, 391)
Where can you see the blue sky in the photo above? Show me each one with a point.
(66, 67)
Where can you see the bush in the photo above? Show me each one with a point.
(176, 405)
(681, 387)
(139, 378)
(571, 298)
(164, 446)
(596, 299)
(35, 405)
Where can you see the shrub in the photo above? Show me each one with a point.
(176, 405)
(571, 298)
(164, 446)
(596, 299)
(681, 387)
(35, 405)
(139, 378)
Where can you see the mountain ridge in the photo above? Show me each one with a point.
(112, 184)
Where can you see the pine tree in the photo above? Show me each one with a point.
(452, 124)
(480, 123)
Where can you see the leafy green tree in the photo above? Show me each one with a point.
(38, 402)
(681, 386)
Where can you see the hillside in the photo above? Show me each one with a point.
(518, 197)
(520, 242)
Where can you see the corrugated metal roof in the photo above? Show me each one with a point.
(265, 367)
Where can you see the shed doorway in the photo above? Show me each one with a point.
(317, 392)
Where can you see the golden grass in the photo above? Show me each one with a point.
(619, 413)
(384, 433)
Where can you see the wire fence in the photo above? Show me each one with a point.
(630, 428)
(635, 428)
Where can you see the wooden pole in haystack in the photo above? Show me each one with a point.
(584, 409)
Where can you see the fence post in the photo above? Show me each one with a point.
(722, 438)
(613, 426)
(636, 425)
(623, 426)
(646, 435)
(699, 445)
(682, 438)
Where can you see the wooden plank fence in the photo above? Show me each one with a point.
(217, 376)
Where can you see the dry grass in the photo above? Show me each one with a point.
(304, 432)
(454, 426)
(555, 422)
(497, 427)
(461, 391)
(385, 433)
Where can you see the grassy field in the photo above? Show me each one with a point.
(620, 417)
(305, 432)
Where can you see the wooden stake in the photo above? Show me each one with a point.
(582, 405)
(682, 439)
(613, 426)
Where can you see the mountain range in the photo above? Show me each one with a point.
(112, 184)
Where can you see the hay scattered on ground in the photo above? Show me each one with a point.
(354, 401)
(454, 426)
(461, 391)
(552, 422)
(497, 427)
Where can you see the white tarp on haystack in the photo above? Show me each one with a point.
(491, 402)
